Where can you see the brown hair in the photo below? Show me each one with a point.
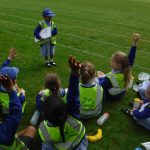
(52, 82)
(87, 71)
(122, 60)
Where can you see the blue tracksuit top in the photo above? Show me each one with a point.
(9, 127)
(73, 101)
(145, 113)
(5, 63)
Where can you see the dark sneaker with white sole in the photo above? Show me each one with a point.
(126, 111)
(47, 64)
(52, 63)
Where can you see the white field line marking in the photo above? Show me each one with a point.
(76, 49)
(81, 37)
(75, 14)
(90, 21)
(86, 29)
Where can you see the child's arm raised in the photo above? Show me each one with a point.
(132, 53)
(9, 126)
(12, 54)
(73, 103)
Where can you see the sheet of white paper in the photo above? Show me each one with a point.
(146, 145)
(45, 33)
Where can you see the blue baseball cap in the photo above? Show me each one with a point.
(48, 13)
(10, 71)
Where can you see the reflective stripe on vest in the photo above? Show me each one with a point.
(17, 145)
(4, 99)
(90, 100)
(74, 133)
(117, 81)
(44, 25)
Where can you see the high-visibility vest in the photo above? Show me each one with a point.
(46, 93)
(4, 99)
(44, 25)
(90, 100)
(17, 145)
(74, 133)
(118, 83)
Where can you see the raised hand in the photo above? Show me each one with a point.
(12, 54)
(74, 64)
(135, 38)
(7, 83)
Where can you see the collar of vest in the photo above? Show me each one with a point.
(88, 85)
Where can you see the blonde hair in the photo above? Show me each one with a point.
(122, 60)
(87, 72)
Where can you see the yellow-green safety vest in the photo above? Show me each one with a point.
(118, 83)
(4, 99)
(74, 133)
(46, 93)
(17, 145)
(90, 100)
(44, 25)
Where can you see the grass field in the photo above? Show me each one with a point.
(90, 30)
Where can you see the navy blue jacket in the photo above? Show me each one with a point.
(143, 114)
(9, 127)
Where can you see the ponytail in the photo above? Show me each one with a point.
(122, 60)
(127, 75)
(61, 128)
(55, 112)
(85, 77)
(88, 72)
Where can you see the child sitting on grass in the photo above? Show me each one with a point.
(116, 82)
(142, 114)
(91, 94)
(61, 128)
(52, 87)
(12, 73)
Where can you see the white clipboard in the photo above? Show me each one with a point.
(44, 33)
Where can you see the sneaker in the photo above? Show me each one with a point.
(47, 64)
(52, 63)
(126, 111)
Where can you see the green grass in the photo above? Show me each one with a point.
(90, 30)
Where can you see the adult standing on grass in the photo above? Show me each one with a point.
(47, 45)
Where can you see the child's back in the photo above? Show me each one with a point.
(91, 94)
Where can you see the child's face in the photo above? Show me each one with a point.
(48, 19)
(114, 64)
